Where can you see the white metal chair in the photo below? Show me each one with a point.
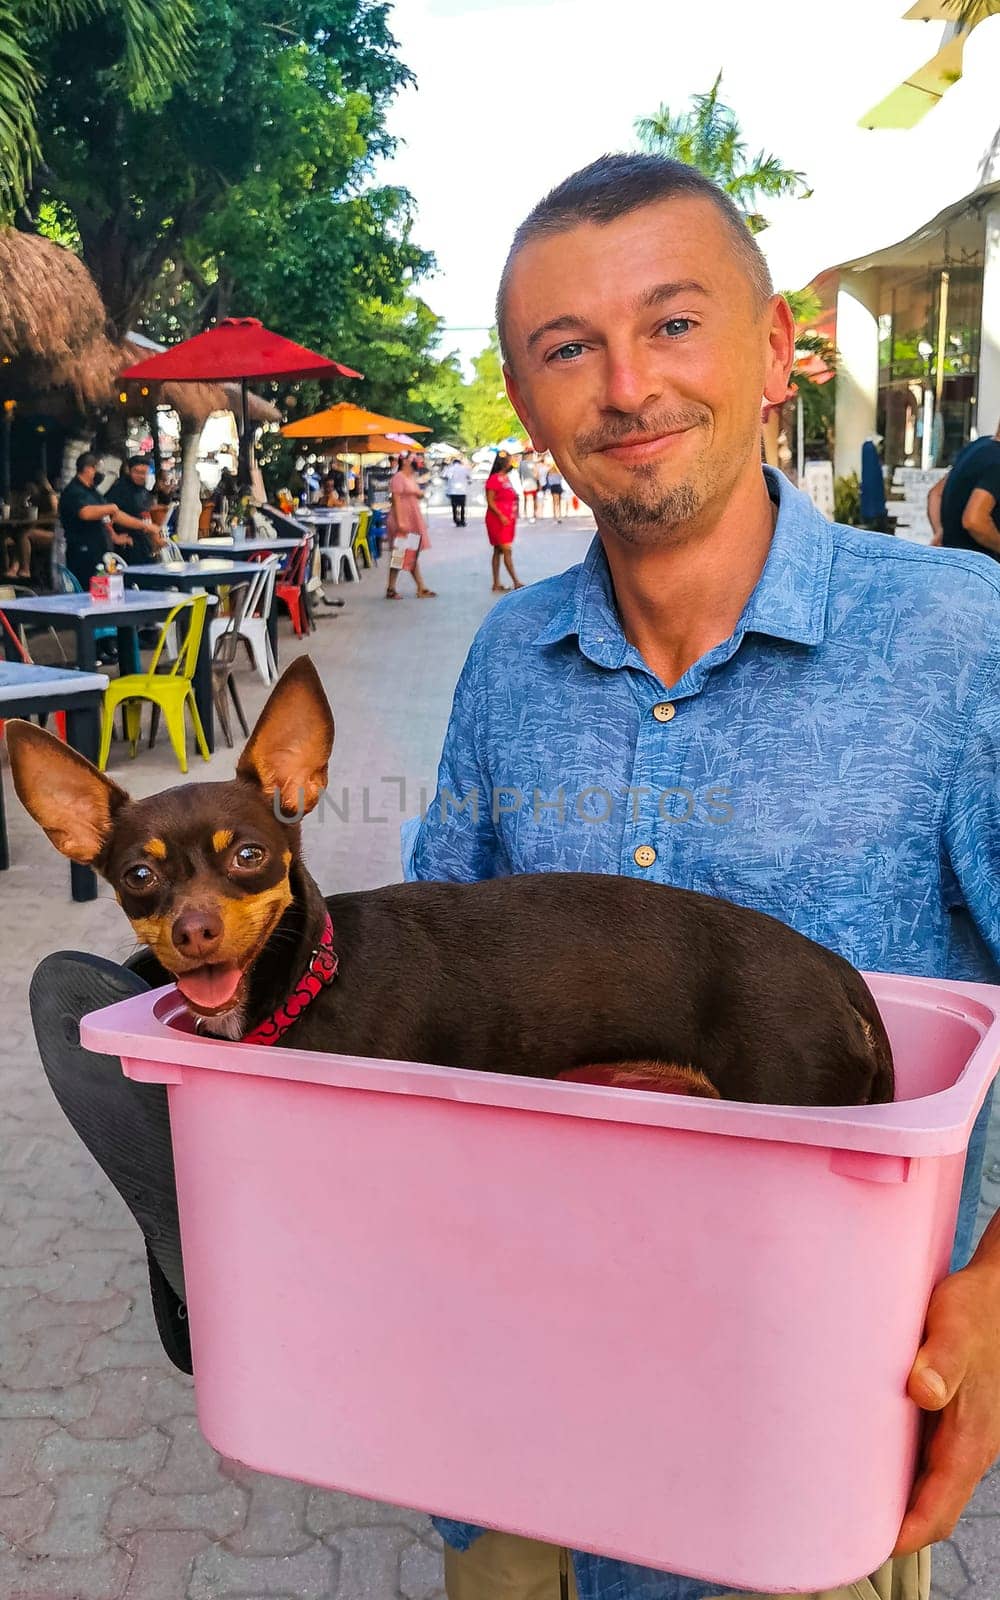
(252, 627)
(170, 556)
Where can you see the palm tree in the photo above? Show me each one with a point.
(708, 137)
(154, 54)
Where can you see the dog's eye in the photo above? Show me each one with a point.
(139, 878)
(249, 855)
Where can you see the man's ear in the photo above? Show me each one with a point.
(517, 400)
(780, 350)
(74, 803)
(288, 751)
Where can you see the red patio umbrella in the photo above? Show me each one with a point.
(237, 350)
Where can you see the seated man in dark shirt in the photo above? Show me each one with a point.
(91, 523)
(130, 494)
(964, 507)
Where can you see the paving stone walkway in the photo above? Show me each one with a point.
(107, 1490)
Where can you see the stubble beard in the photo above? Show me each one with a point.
(648, 513)
(649, 518)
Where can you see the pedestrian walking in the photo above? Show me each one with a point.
(501, 520)
(554, 486)
(407, 530)
(456, 483)
(964, 507)
(528, 474)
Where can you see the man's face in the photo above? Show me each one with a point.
(139, 474)
(639, 357)
(87, 475)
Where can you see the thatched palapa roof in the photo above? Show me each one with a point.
(52, 323)
(54, 345)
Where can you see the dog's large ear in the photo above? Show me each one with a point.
(288, 751)
(69, 798)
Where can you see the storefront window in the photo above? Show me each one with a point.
(915, 310)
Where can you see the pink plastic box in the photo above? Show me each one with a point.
(671, 1330)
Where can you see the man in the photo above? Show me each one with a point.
(723, 697)
(90, 521)
(964, 507)
(456, 483)
(130, 494)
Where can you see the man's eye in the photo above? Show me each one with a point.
(566, 352)
(139, 878)
(675, 327)
(249, 855)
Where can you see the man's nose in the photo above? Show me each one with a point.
(197, 933)
(632, 383)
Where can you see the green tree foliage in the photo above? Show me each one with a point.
(487, 414)
(271, 110)
(248, 190)
(147, 49)
(708, 137)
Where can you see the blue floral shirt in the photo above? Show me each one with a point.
(834, 763)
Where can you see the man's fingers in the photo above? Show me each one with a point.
(928, 1387)
(942, 1361)
(954, 1466)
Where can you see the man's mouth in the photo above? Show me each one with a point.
(643, 446)
(212, 988)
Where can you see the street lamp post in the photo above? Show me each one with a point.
(9, 407)
(926, 350)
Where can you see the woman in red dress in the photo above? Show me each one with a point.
(407, 530)
(501, 520)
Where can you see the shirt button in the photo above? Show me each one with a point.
(664, 711)
(644, 855)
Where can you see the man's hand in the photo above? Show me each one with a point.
(119, 538)
(956, 1376)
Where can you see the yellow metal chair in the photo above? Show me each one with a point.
(169, 692)
(359, 544)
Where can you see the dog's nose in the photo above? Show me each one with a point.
(197, 933)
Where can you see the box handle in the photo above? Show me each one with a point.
(152, 1071)
(871, 1167)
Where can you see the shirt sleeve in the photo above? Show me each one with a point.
(457, 839)
(971, 827)
(989, 480)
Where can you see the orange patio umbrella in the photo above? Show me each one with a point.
(347, 421)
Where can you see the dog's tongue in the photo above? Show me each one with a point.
(210, 987)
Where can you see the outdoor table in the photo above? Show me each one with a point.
(207, 573)
(28, 691)
(239, 547)
(332, 517)
(137, 609)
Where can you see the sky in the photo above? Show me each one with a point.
(513, 95)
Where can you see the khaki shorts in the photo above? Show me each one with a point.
(499, 1566)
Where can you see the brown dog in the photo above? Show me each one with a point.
(673, 989)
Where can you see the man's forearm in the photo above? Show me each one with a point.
(986, 534)
(126, 520)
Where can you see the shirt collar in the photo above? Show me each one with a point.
(788, 602)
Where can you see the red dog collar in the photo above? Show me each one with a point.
(321, 971)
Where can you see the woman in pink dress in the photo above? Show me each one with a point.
(501, 520)
(407, 530)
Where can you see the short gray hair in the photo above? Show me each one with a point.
(615, 185)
